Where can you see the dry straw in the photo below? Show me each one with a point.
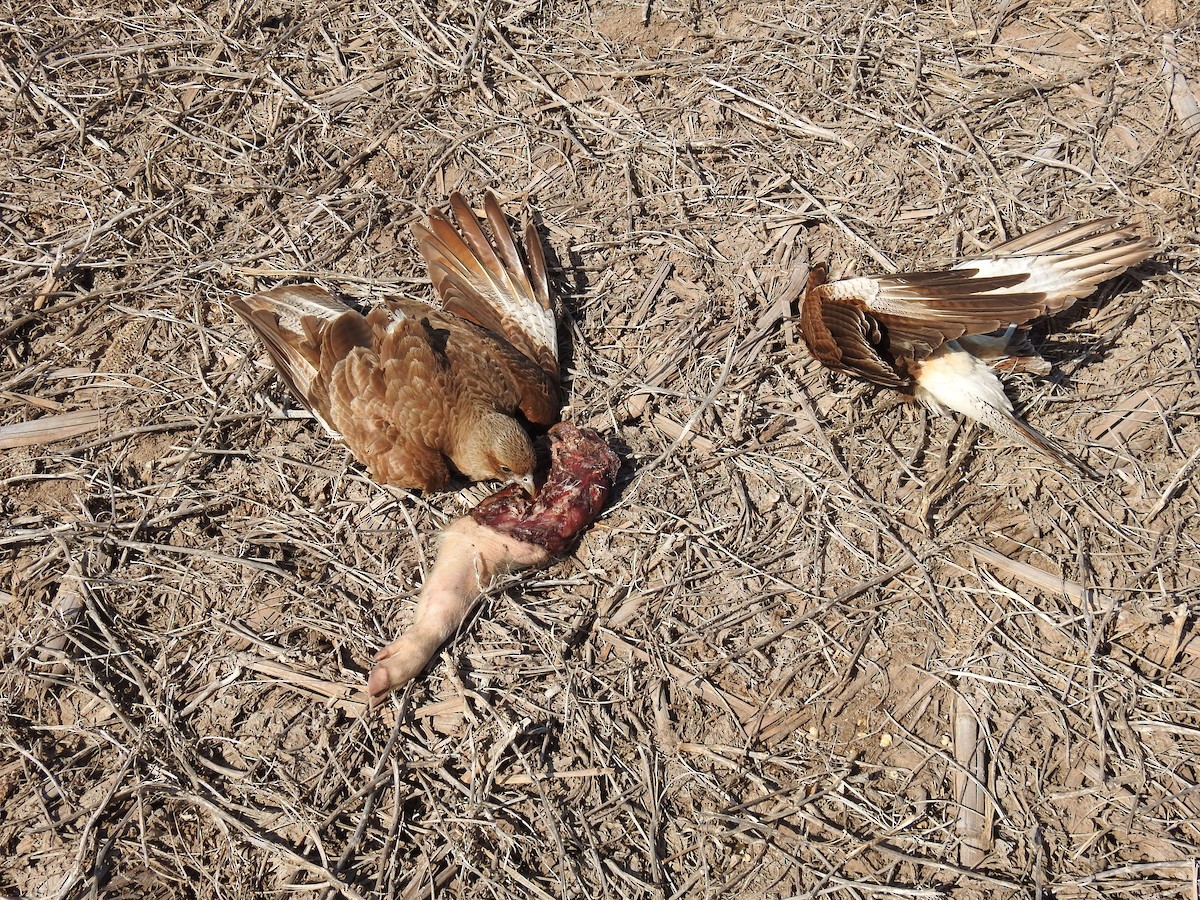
(821, 645)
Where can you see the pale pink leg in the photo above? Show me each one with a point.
(469, 557)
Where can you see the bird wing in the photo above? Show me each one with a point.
(394, 400)
(286, 321)
(865, 326)
(484, 366)
(1065, 260)
(373, 381)
(492, 286)
(841, 335)
(914, 313)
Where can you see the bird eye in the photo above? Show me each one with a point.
(506, 470)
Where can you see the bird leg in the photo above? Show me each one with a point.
(509, 531)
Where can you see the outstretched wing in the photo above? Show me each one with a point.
(492, 286)
(393, 402)
(1065, 260)
(918, 312)
(863, 326)
(373, 381)
(289, 321)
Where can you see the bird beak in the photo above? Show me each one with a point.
(527, 483)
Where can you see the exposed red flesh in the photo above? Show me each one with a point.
(507, 532)
(581, 475)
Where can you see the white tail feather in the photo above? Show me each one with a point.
(953, 379)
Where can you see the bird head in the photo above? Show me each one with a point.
(499, 448)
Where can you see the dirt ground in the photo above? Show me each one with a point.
(822, 644)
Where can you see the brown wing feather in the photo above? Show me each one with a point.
(531, 278)
(538, 278)
(514, 266)
(1066, 260)
(934, 307)
(498, 292)
(955, 294)
(1063, 234)
(393, 386)
(842, 336)
(395, 402)
(496, 370)
(288, 321)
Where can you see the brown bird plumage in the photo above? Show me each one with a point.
(413, 390)
(941, 335)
